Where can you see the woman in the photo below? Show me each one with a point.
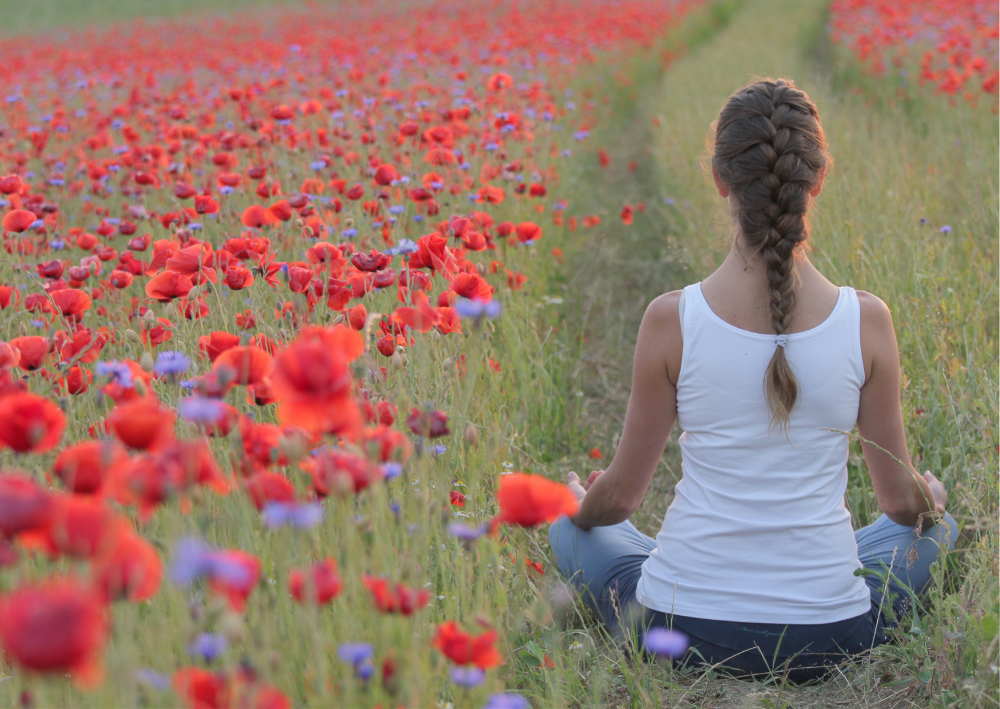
(767, 365)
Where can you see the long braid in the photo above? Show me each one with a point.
(770, 151)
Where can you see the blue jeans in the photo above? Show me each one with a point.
(605, 564)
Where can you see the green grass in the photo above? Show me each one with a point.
(37, 16)
(563, 389)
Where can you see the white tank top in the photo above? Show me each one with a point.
(758, 530)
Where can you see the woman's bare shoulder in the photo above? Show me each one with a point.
(874, 312)
(665, 306)
(662, 325)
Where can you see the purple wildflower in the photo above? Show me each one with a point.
(668, 643)
(208, 646)
(194, 559)
(465, 532)
(392, 470)
(171, 362)
(467, 676)
(199, 409)
(507, 700)
(355, 653)
(299, 515)
(152, 678)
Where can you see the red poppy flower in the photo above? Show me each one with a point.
(395, 597)
(373, 261)
(71, 301)
(24, 505)
(80, 526)
(457, 499)
(204, 204)
(142, 424)
(319, 584)
(281, 210)
(528, 231)
(248, 364)
(129, 569)
(472, 286)
(421, 318)
(29, 423)
(266, 487)
(466, 649)
(256, 216)
(58, 626)
(17, 220)
(312, 380)
(217, 342)
(236, 587)
(10, 355)
(337, 472)
(84, 467)
(239, 277)
(168, 285)
(429, 424)
(120, 279)
(530, 500)
(33, 351)
(242, 689)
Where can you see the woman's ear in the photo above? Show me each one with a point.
(719, 184)
(814, 192)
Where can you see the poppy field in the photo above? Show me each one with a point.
(306, 311)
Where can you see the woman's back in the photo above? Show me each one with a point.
(758, 530)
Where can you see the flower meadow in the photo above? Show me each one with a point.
(261, 284)
(949, 46)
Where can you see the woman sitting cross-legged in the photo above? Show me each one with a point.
(766, 364)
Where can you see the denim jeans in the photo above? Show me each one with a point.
(605, 564)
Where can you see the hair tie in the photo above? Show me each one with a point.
(781, 340)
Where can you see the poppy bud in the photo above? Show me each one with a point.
(399, 360)
(233, 628)
(349, 222)
(133, 336)
(146, 362)
(150, 317)
(140, 387)
(471, 435)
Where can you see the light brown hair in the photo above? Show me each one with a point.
(770, 151)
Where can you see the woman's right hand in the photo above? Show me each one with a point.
(938, 490)
(592, 478)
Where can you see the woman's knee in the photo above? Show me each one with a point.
(562, 538)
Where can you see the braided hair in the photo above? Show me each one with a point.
(770, 150)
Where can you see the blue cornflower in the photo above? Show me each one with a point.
(193, 559)
(299, 515)
(171, 362)
(392, 470)
(153, 678)
(117, 371)
(465, 532)
(664, 642)
(507, 700)
(467, 676)
(208, 646)
(199, 409)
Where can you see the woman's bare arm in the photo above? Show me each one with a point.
(616, 493)
(902, 494)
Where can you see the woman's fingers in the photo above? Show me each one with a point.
(592, 478)
(572, 477)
